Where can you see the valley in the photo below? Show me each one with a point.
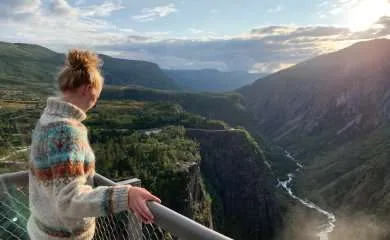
(205, 152)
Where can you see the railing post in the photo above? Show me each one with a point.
(134, 225)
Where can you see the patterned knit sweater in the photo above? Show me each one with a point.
(63, 202)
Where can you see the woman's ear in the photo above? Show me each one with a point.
(87, 88)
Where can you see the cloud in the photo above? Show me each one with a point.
(195, 31)
(336, 11)
(61, 8)
(102, 10)
(269, 67)
(288, 33)
(201, 34)
(382, 27)
(150, 14)
(138, 38)
(276, 9)
(334, 7)
(61, 25)
(323, 3)
(127, 30)
(264, 50)
(356, 14)
(56, 24)
(79, 2)
(18, 9)
(229, 54)
(272, 30)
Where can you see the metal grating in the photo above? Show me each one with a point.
(14, 213)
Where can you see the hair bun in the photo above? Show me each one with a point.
(82, 60)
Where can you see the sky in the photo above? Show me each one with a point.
(229, 35)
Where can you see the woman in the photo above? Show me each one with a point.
(63, 203)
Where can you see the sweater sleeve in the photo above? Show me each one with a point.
(69, 168)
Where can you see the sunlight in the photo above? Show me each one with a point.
(365, 13)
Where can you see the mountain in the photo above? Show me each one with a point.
(134, 72)
(211, 80)
(28, 66)
(332, 112)
(35, 67)
(336, 96)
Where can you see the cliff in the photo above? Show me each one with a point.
(244, 204)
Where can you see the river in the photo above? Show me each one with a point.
(324, 229)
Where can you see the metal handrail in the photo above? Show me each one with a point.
(18, 178)
(175, 223)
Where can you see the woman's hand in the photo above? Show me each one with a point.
(137, 198)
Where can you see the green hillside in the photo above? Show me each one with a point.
(230, 108)
(24, 66)
(34, 68)
(133, 72)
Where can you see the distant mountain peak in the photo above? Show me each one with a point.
(210, 80)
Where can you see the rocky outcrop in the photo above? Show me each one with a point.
(186, 194)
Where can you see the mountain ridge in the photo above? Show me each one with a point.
(210, 80)
(37, 66)
(303, 97)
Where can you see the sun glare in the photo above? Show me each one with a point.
(365, 13)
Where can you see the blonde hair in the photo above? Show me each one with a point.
(81, 67)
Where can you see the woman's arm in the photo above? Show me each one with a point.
(69, 168)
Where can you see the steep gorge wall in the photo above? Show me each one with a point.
(244, 204)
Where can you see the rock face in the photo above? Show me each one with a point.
(186, 194)
(244, 205)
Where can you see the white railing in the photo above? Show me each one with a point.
(168, 224)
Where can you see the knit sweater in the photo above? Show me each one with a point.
(63, 202)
